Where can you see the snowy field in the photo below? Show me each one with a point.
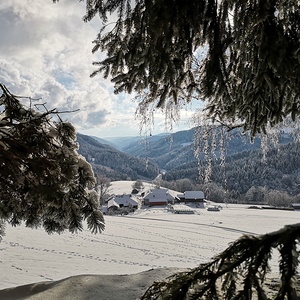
(149, 239)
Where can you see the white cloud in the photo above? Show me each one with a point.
(46, 53)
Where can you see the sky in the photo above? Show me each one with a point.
(46, 54)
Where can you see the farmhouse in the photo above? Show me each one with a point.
(192, 196)
(112, 205)
(120, 201)
(158, 197)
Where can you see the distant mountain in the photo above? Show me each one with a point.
(173, 156)
(122, 143)
(104, 141)
(244, 164)
(176, 149)
(164, 150)
(113, 163)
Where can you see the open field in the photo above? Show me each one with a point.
(151, 238)
(131, 253)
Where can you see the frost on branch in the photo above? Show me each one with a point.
(239, 272)
(44, 182)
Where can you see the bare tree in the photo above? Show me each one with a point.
(103, 187)
(138, 185)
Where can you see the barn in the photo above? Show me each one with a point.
(192, 196)
(158, 197)
(125, 200)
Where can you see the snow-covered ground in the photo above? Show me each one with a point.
(149, 239)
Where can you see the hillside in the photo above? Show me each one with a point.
(177, 149)
(280, 170)
(113, 163)
(167, 151)
(173, 155)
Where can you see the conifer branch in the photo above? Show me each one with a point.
(239, 272)
(247, 73)
(43, 180)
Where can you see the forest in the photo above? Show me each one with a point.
(247, 177)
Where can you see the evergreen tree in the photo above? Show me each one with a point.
(239, 272)
(241, 56)
(43, 180)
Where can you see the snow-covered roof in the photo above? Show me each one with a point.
(193, 195)
(125, 200)
(159, 194)
(159, 191)
(111, 203)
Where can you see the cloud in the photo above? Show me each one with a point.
(46, 53)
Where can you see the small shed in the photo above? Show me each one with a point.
(134, 191)
(104, 209)
(296, 206)
(158, 197)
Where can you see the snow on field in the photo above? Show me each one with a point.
(150, 238)
(125, 187)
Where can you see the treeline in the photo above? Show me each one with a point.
(215, 192)
(246, 177)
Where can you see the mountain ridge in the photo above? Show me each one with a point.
(173, 156)
(107, 160)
